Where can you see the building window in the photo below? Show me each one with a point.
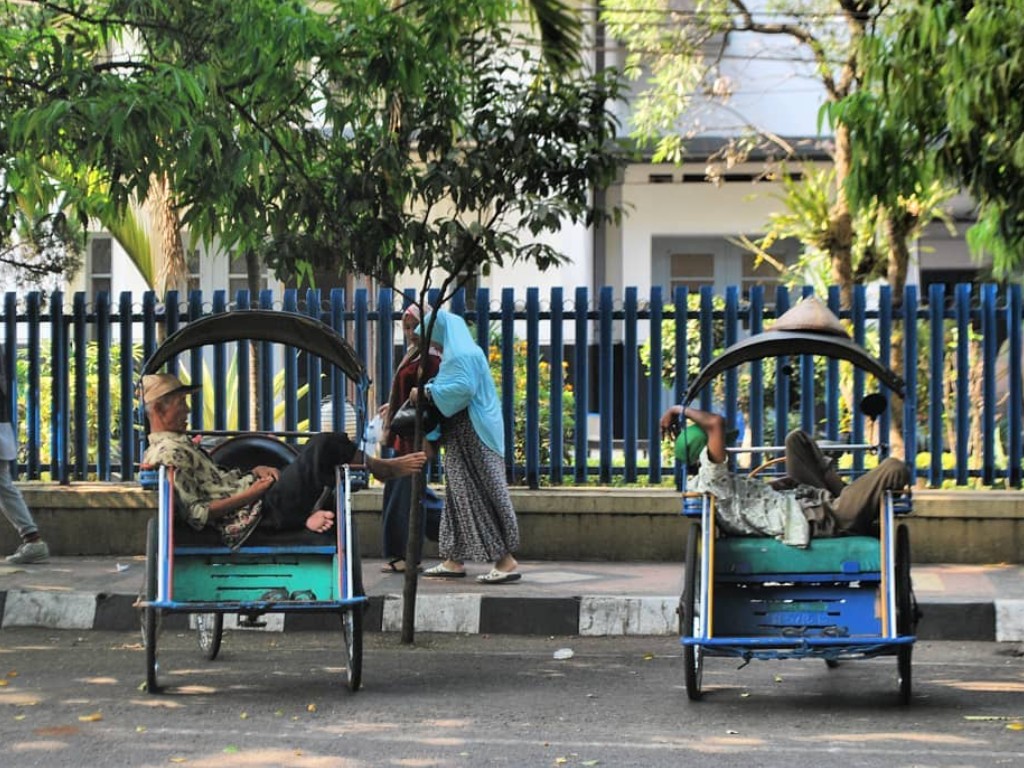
(763, 274)
(238, 277)
(100, 268)
(693, 270)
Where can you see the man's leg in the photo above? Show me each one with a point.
(807, 465)
(12, 504)
(289, 503)
(858, 507)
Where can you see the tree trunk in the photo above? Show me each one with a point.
(841, 222)
(896, 233)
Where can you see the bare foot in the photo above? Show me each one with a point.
(384, 469)
(320, 521)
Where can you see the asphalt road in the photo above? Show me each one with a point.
(69, 699)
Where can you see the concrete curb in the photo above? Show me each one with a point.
(999, 620)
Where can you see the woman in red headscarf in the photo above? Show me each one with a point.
(398, 491)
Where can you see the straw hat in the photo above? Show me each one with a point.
(157, 385)
(810, 314)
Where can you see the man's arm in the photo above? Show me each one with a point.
(714, 427)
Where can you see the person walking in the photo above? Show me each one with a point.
(478, 522)
(12, 503)
(398, 490)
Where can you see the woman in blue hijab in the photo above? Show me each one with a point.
(478, 522)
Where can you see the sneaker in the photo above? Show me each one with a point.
(29, 552)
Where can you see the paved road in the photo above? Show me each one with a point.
(74, 699)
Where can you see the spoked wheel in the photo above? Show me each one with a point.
(209, 631)
(352, 628)
(151, 616)
(352, 620)
(689, 614)
(906, 616)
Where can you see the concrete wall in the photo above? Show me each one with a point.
(556, 524)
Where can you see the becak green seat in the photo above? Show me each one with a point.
(754, 555)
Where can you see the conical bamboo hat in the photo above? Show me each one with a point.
(810, 314)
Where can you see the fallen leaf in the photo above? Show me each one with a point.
(778, 678)
(732, 732)
(745, 695)
(279, 713)
(177, 760)
(230, 749)
(1016, 726)
(311, 707)
(591, 762)
(561, 760)
(4, 683)
(95, 717)
(648, 656)
(140, 729)
(20, 717)
(12, 673)
(244, 716)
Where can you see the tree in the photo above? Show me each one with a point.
(961, 116)
(681, 49)
(371, 137)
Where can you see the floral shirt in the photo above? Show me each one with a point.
(749, 507)
(198, 480)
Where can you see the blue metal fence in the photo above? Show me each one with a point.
(961, 420)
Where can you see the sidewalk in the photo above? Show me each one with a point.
(959, 602)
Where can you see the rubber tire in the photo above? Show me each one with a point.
(352, 620)
(906, 620)
(209, 632)
(689, 620)
(151, 616)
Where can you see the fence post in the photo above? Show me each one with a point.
(755, 410)
(508, 377)
(885, 354)
(859, 317)
(581, 376)
(606, 382)
(630, 367)
(59, 368)
(731, 324)
(102, 307)
(314, 367)
(936, 388)
(682, 313)
(963, 380)
(654, 386)
(533, 388)
(10, 364)
(220, 369)
(1013, 408)
(990, 346)
(910, 377)
(81, 414)
(557, 425)
(242, 352)
(291, 370)
(127, 392)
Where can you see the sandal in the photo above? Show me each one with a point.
(499, 577)
(440, 572)
(392, 566)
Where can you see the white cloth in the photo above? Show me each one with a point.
(749, 507)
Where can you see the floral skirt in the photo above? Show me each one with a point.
(478, 522)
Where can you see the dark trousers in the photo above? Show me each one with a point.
(395, 518)
(857, 505)
(291, 500)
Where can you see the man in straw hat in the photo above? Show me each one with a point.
(236, 502)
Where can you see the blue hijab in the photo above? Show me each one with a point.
(464, 379)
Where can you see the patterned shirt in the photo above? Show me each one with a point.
(198, 480)
(749, 507)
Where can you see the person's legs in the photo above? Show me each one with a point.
(807, 465)
(858, 507)
(12, 504)
(395, 517)
(289, 503)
